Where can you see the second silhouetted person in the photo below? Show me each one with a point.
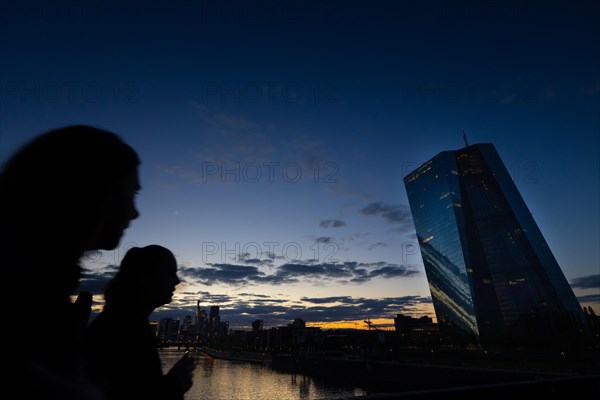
(124, 355)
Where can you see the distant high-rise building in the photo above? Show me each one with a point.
(223, 329)
(187, 321)
(168, 329)
(213, 320)
(154, 328)
(492, 276)
(201, 323)
(257, 325)
(200, 315)
(299, 323)
(187, 330)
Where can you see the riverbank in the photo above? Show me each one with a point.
(527, 362)
(402, 376)
(546, 388)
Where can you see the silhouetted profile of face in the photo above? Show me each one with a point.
(147, 277)
(162, 283)
(119, 209)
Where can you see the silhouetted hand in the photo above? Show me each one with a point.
(83, 305)
(181, 373)
(84, 300)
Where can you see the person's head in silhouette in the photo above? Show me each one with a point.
(146, 279)
(80, 179)
(67, 191)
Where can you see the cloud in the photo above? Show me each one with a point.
(394, 214)
(256, 261)
(228, 125)
(354, 236)
(236, 149)
(586, 282)
(264, 296)
(327, 300)
(272, 255)
(332, 223)
(356, 308)
(320, 270)
(229, 142)
(193, 174)
(323, 239)
(288, 273)
(95, 280)
(589, 298)
(231, 274)
(246, 258)
(374, 246)
(349, 300)
(344, 272)
(389, 271)
(206, 297)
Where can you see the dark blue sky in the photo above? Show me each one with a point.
(351, 95)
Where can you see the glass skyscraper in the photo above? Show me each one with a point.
(492, 276)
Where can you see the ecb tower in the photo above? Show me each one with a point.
(493, 279)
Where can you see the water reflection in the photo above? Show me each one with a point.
(216, 379)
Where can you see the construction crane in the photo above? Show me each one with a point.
(371, 325)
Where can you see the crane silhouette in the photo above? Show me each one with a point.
(371, 325)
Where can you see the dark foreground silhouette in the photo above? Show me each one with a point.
(146, 280)
(66, 192)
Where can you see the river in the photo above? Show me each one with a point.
(216, 379)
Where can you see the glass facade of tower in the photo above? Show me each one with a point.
(492, 276)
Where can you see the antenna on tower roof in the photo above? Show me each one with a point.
(465, 138)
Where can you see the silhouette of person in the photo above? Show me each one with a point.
(67, 191)
(146, 280)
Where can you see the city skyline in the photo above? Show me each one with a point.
(274, 139)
